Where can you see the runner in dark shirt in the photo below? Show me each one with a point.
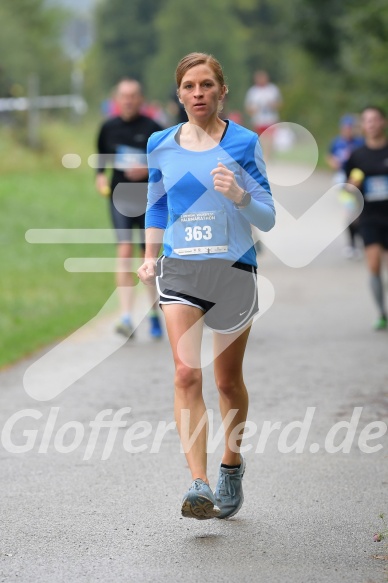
(367, 169)
(340, 149)
(121, 144)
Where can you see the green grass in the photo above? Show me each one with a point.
(39, 300)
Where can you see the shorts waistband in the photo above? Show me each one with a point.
(216, 261)
(245, 266)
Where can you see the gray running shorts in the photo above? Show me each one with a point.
(225, 291)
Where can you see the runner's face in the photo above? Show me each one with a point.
(347, 132)
(200, 93)
(129, 99)
(261, 79)
(373, 124)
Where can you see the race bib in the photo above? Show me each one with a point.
(376, 188)
(204, 232)
(127, 157)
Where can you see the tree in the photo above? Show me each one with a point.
(30, 42)
(184, 27)
(318, 29)
(268, 34)
(364, 52)
(125, 38)
(350, 40)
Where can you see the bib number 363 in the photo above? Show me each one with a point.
(198, 233)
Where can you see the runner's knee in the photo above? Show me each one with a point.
(124, 250)
(187, 379)
(229, 388)
(374, 263)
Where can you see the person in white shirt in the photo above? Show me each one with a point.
(262, 103)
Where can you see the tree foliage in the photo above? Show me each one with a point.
(364, 52)
(126, 38)
(30, 43)
(266, 27)
(328, 57)
(184, 27)
(339, 60)
(317, 29)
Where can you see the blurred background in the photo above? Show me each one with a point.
(59, 62)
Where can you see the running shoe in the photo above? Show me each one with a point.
(348, 252)
(199, 502)
(155, 327)
(125, 328)
(229, 493)
(381, 324)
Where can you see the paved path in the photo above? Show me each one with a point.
(308, 517)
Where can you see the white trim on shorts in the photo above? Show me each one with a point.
(172, 299)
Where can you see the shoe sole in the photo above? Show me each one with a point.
(201, 509)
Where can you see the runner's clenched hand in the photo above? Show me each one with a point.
(225, 182)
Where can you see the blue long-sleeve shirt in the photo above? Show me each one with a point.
(180, 183)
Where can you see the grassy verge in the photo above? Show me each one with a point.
(39, 300)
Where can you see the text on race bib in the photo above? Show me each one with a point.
(376, 188)
(203, 232)
(197, 233)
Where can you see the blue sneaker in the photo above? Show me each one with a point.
(199, 502)
(155, 328)
(229, 493)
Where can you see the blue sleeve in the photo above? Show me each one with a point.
(260, 212)
(333, 147)
(156, 211)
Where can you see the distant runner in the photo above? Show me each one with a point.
(367, 169)
(122, 142)
(262, 103)
(340, 149)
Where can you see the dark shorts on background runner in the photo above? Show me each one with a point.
(225, 291)
(124, 226)
(374, 230)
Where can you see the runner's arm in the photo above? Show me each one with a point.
(102, 181)
(352, 171)
(154, 240)
(155, 220)
(260, 212)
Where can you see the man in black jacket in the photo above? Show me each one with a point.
(122, 143)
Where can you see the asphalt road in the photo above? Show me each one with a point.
(67, 515)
